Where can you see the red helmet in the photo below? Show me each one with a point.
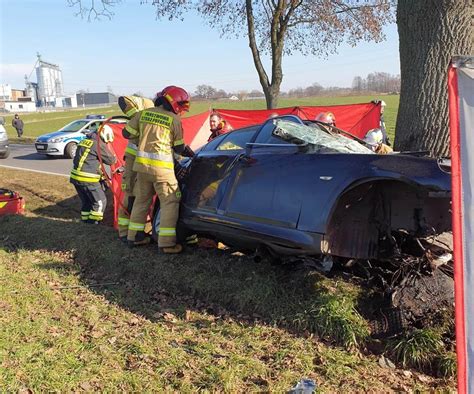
(177, 98)
(327, 117)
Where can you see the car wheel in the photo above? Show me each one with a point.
(70, 150)
(5, 154)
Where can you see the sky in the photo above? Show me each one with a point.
(134, 52)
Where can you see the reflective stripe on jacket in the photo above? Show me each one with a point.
(159, 131)
(86, 165)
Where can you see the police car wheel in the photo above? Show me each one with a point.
(5, 154)
(70, 150)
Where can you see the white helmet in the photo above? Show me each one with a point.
(374, 138)
(382, 103)
(107, 134)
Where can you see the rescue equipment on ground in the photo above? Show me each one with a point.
(11, 203)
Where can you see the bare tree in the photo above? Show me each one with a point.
(94, 9)
(431, 32)
(280, 27)
(358, 84)
(205, 91)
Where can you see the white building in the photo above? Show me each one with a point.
(19, 106)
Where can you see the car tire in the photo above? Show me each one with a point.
(5, 154)
(70, 150)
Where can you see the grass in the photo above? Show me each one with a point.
(82, 312)
(419, 349)
(44, 122)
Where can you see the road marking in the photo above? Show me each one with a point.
(41, 172)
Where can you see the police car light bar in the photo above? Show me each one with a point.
(95, 117)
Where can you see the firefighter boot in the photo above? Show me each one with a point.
(172, 249)
(141, 238)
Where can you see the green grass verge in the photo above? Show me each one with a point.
(44, 122)
(82, 312)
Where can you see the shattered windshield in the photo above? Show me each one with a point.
(320, 141)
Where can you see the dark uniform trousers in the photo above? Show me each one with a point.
(93, 201)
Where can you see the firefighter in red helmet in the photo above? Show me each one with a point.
(160, 134)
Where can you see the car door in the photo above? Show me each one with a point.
(268, 183)
(207, 181)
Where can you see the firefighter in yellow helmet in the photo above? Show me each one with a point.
(129, 105)
(159, 133)
(374, 138)
(86, 174)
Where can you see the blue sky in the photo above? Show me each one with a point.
(135, 52)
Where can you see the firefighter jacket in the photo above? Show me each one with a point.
(383, 149)
(159, 131)
(131, 149)
(86, 166)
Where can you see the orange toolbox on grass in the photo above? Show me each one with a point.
(11, 203)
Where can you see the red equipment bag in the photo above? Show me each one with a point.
(11, 203)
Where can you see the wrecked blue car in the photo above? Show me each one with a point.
(295, 189)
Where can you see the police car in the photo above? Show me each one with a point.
(65, 140)
(4, 149)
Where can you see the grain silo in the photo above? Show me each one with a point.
(50, 81)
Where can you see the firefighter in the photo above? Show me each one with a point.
(328, 118)
(86, 174)
(386, 138)
(159, 133)
(129, 105)
(374, 138)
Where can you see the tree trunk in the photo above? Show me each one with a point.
(431, 32)
(271, 97)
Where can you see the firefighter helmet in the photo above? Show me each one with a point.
(374, 138)
(177, 98)
(327, 117)
(106, 134)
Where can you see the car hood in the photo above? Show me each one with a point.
(55, 134)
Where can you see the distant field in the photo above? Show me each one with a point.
(44, 122)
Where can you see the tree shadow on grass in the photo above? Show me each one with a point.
(148, 283)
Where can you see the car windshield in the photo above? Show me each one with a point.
(74, 126)
(321, 141)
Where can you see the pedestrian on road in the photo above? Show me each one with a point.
(17, 123)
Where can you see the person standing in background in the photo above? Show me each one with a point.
(17, 124)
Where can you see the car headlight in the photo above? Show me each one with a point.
(56, 140)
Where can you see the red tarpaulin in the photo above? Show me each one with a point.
(354, 118)
(461, 124)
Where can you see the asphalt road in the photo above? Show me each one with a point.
(24, 156)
